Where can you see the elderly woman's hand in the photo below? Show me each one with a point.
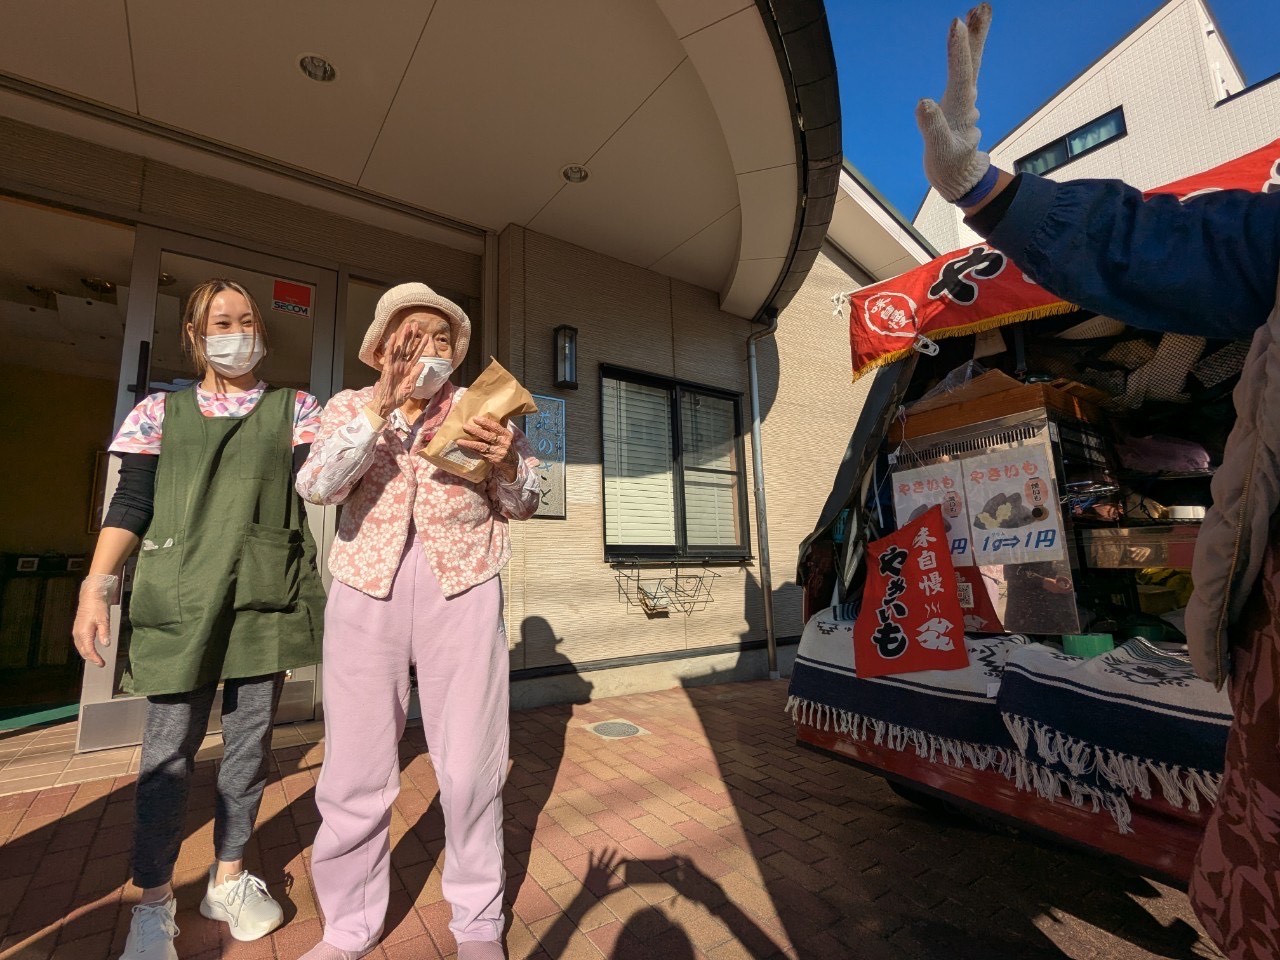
(399, 369)
(491, 441)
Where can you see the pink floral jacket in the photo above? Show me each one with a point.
(461, 525)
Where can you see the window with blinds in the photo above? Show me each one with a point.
(674, 482)
(1094, 134)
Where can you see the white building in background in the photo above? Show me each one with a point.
(1166, 101)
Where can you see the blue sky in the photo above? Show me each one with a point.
(890, 53)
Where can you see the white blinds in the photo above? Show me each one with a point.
(639, 484)
(707, 429)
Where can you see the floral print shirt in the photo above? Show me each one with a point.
(143, 427)
(385, 488)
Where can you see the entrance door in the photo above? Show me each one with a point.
(63, 291)
(297, 303)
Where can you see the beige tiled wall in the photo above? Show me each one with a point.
(562, 597)
(1162, 77)
(808, 428)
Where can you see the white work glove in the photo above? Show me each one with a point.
(952, 161)
(93, 615)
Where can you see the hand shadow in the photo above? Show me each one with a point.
(652, 932)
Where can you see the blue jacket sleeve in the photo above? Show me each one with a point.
(1207, 267)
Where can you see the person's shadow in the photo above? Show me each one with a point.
(537, 749)
(651, 932)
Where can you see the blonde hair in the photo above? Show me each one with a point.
(196, 315)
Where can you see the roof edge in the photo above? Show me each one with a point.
(887, 206)
(806, 58)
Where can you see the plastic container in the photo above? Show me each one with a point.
(1087, 644)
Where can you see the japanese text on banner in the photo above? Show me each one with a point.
(910, 618)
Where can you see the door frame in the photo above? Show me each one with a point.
(107, 721)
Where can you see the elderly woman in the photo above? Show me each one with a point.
(415, 569)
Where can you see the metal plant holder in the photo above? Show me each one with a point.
(662, 591)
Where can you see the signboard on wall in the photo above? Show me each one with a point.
(292, 298)
(546, 432)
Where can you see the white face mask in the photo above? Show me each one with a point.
(234, 354)
(435, 371)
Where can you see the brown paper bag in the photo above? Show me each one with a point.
(496, 393)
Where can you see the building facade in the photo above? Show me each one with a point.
(655, 180)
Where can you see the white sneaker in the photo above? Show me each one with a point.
(243, 904)
(151, 932)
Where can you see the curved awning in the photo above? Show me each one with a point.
(702, 124)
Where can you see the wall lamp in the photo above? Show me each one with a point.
(565, 341)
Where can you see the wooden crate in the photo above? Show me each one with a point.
(989, 398)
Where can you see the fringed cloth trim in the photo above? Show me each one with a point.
(1128, 774)
(1053, 786)
(926, 746)
(1023, 773)
(979, 326)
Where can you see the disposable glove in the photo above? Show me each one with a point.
(93, 616)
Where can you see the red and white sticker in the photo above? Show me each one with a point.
(292, 298)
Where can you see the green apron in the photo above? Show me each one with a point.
(226, 583)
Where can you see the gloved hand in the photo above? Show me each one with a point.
(952, 161)
(93, 617)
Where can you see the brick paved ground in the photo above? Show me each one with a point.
(710, 836)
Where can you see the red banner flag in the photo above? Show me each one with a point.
(978, 288)
(911, 618)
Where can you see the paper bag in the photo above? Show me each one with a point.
(495, 393)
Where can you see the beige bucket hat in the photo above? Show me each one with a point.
(408, 295)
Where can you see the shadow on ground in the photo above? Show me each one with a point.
(855, 871)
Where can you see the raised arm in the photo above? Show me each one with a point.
(341, 453)
(1206, 267)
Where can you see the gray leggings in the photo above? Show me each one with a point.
(176, 724)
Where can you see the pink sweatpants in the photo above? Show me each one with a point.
(460, 649)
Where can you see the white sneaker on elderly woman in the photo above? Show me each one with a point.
(243, 904)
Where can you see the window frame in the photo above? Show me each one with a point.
(1065, 142)
(680, 551)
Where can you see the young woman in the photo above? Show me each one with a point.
(226, 589)
(415, 580)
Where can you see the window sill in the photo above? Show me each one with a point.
(670, 559)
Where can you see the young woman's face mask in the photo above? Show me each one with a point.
(234, 354)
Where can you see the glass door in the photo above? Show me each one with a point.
(63, 292)
(298, 305)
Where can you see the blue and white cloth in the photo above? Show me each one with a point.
(1092, 731)
(1123, 721)
(949, 716)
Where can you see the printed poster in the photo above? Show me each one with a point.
(1012, 508)
(911, 617)
(941, 484)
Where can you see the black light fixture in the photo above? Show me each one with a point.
(566, 356)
